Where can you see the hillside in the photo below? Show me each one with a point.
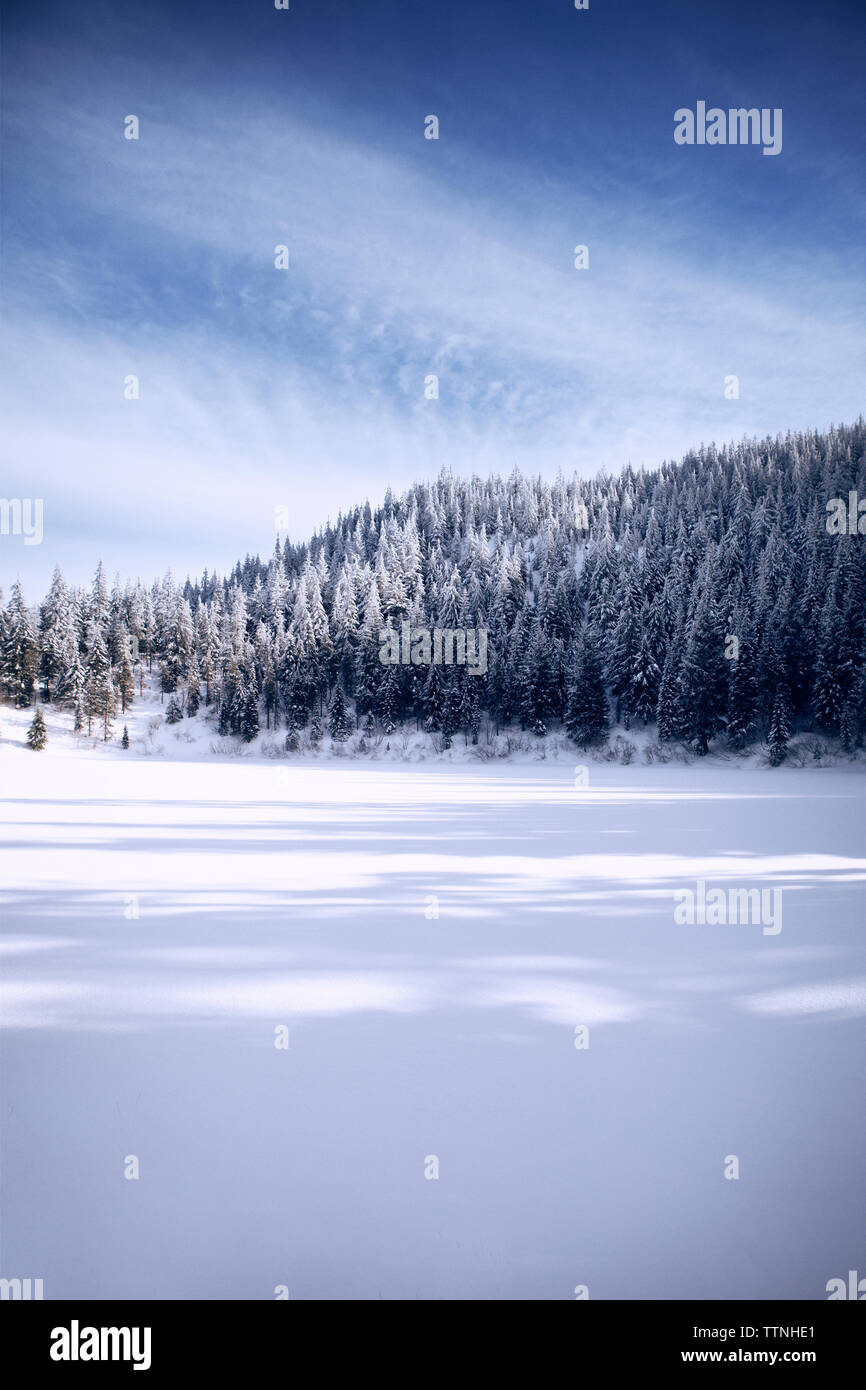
(714, 602)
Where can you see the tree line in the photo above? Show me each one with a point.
(708, 598)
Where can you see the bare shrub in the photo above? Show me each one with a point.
(484, 752)
(619, 750)
(273, 748)
(229, 748)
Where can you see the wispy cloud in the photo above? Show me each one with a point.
(261, 387)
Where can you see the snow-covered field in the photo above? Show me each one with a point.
(431, 936)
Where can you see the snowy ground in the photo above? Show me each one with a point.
(431, 936)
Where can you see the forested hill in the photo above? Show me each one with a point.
(722, 596)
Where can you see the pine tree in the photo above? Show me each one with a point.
(269, 690)
(293, 741)
(124, 680)
(339, 726)
(124, 742)
(37, 734)
(173, 713)
(586, 715)
(53, 619)
(241, 695)
(643, 690)
(98, 607)
(736, 538)
(626, 650)
(19, 657)
(538, 681)
(70, 676)
(780, 732)
(433, 699)
(450, 714)
(470, 710)
(250, 712)
(669, 714)
(387, 700)
(828, 693)
(99, 694)
(704, 677)
(743, 690)
(193, 691)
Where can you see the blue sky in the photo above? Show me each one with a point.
(305, 388)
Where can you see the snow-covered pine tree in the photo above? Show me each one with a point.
(703, 681)
(433, 699)
(339, 726)
(587, 716)
(19, 658)
(249, 719)
(37, 734)
(124, 679)
(625, 647)
(99, 693)
(173, 711)
(450, 713)
(742, 686)
(643, 689)
(740, 530)
(828, 690)
(669, 716)
(470, 707)
(97, 612)
(292, 741)
(780, 731)
(52, 631)
(387, 700)
(193, 690)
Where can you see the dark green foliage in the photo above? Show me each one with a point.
(586, 716)
(742, 690)
(671, 725)
(780, 731)
(704, 677)
(249, 719)
(450, 722)
(339, 724)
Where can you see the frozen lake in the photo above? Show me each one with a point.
(430, 938)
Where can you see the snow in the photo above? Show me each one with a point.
(431, 935)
